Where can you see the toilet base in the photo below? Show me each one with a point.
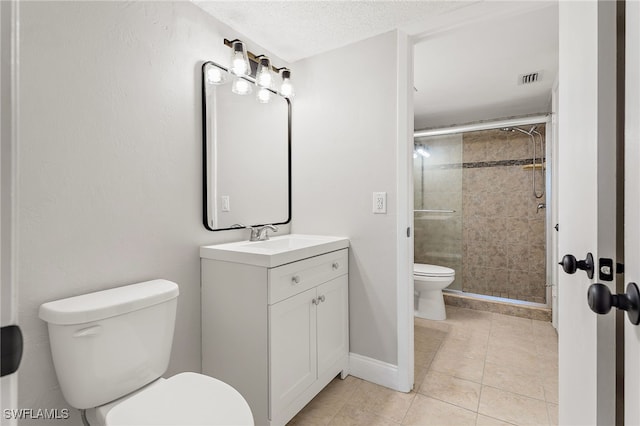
(431, 306)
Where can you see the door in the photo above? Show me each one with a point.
(332, 322)
(632, 205)
(292, 349)
(586, 118)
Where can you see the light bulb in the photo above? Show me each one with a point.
(241, 86)
(263, 76)
(216, 75)
(239, 59)
(286, 88)
(264, 95)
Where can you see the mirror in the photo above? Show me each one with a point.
(247, 155)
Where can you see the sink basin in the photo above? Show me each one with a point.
(275, 251)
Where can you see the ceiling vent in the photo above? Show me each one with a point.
(530, 78)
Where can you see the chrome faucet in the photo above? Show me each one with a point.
(259, 233)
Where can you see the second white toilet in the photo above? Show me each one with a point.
(110, 349)
(429, 280)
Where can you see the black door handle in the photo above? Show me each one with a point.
(601, 300)
(570, 265)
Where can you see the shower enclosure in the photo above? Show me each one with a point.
(480, 207)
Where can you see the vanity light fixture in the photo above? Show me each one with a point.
(264, 95)
(241, 86)
(264, 78)
(239, 59)
(216, 75)
(286, 88)
(242, 65)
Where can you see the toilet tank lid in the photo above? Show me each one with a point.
(108, 303)
(432, 270)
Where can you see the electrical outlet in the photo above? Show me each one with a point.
(226, 205)
(380, 202)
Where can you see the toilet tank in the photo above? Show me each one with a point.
(109, 343)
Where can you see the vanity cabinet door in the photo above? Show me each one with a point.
(292, 349)
(333, 322)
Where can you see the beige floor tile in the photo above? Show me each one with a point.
(512, 408)
(423, 359)
(462, 393)
(490, 421)
(382, 401)
(321, 409)
(432, 324)
(426, 341)
(517, 357)
(553, 414)
(513, 379)
(419, 374)
(470, 347)
(550, 389)
(425, 411)
(457, 365)
(352, 415)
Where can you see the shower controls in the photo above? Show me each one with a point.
(605, 271)
(570, 265)
(601, 301)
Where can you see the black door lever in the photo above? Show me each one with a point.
(570, 265)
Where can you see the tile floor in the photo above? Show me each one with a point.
(475, 368)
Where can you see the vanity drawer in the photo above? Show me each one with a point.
(293, 278)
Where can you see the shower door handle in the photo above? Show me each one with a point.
(601, 301)
(570, 265)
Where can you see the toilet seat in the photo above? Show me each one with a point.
(426, 270)
(184, 399)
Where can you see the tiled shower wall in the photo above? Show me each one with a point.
(495, 240)
(503, 233)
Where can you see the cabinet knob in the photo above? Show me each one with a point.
(321, 298)
(314, 301)
(335, 265)
(295, 279)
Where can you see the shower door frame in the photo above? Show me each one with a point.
(551, 207)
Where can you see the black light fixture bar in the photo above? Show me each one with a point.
(252, 57)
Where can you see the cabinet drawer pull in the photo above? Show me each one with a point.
(321, 298)
(314, 301)
(335, 265)
(295, 279)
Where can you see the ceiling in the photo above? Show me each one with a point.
(468, 54)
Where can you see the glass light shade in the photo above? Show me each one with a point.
(264, 78)
(264, 95)
(239, 59)
(241, 86)
(216, 75)
(286, 88)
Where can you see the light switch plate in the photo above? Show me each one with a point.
(380, 202)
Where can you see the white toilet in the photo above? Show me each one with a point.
(429, 280)
(110, 349)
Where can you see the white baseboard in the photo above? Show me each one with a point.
(375, 371)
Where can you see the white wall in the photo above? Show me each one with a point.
(345, 137)
(109, 163)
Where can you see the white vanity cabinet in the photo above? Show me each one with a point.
(277, 334)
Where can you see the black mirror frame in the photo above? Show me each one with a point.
(205, 184)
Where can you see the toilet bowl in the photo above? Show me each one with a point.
(428, 281)
(110, 349)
